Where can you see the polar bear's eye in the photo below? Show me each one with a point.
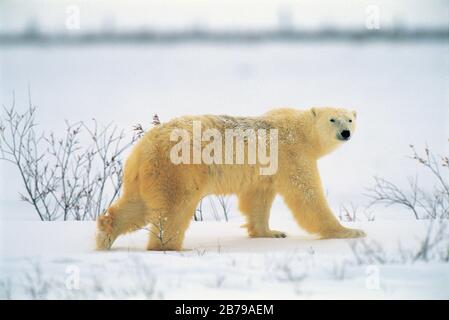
(350, 120)
(332, 120)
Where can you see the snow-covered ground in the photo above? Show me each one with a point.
(57, 260)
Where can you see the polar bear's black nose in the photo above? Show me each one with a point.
(346, 134)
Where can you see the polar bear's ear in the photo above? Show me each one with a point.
(314, 112)
(354, 113)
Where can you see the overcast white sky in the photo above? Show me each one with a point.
(51, 14)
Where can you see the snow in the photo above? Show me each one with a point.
(42, 259)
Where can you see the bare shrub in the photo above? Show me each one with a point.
(219, 280)
(221, 209)
(368, 252)
(286, 273)
(198, 216)
(145, 280)
(37, 286)
(338, 269)
(289, 268)
(223, 201)
(369, 215)
(351, 213)
(388, 193)
(157, 229)
(37, 282)
(348, 213)
(434, 246)
(423, 204)
(62, 177)
(76, 175)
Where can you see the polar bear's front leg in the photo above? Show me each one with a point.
(314, 216)
(255, 204)
(303, 194)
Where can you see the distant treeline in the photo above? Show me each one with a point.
(33, 37)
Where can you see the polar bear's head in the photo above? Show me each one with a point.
(332, 127)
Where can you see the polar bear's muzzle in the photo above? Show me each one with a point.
(344, 135)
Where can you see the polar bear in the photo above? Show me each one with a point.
(163, 193)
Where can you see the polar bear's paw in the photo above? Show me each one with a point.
(104, 240)
(104, 237)
(344, 233)
(268, 234)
